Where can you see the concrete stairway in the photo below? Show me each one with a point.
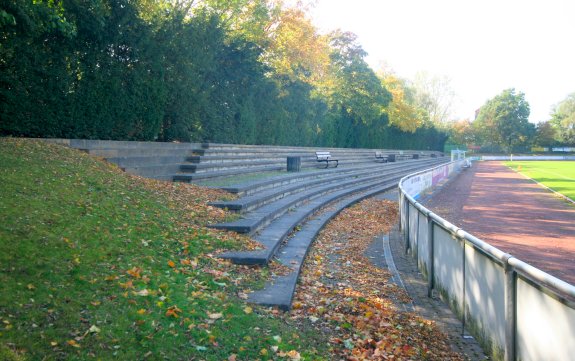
(283, 212)
(158, 160)
(285, 215)
(215, 161)
(190, 162)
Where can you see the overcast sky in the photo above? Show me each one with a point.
(483, 46)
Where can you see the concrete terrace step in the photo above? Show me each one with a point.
(90, 144)
(227, 173)
(217, 159)
(252, 187)
(280, 290)
(280, 153)
(140, 152)
(226, 170)
(151, 160)
(277, 229)
(279, 162)
(203, 167)
(279, 181)
(231, 158)
(158, 159)
(190, 177)
(260, 217)
(238, 148)
(265, 196)
(248, 203)
(276, 232)
(155, 171)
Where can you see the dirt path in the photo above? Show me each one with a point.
(513, 214)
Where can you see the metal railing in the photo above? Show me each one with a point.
(516, 311)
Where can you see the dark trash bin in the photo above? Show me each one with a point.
(293, 164)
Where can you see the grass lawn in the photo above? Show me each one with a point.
(97, 264)
(557, 175)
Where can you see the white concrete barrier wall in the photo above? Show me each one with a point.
(422, 243)
(448, 267)
(485, 299)
(516, 311)
(545, 326)
(527, 157)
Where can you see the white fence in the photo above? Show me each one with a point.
(517, 312)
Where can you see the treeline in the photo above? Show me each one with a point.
(502, 125)
(241, 71)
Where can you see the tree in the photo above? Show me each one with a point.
(402, 111)
(296, 51)
(357, 98)
(461, 133)
(545, 135)
(434, 94)
(563, 120)
(249, 20)
(237, 71)
(504, 121)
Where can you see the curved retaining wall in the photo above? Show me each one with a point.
(516, 311)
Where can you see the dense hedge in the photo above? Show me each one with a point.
(103, 70)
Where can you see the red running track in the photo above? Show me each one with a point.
(514, 214)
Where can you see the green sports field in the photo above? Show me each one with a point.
(557, 175)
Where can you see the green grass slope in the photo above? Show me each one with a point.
(97, 264)
(557, 175)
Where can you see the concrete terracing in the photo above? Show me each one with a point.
(283, 211)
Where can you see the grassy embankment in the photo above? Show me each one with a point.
(557, 175)
(97, 264)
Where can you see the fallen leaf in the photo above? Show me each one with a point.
(248, 310)
(94, 329)
(173, 311)
(73, 343)
(135, 272)
(126, 285)
(294, 355)
(171, 264)
(215, 316)
(143, 292)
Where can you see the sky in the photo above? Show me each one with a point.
(482, 46)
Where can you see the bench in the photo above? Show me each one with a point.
(381, 156)
(325, 157)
